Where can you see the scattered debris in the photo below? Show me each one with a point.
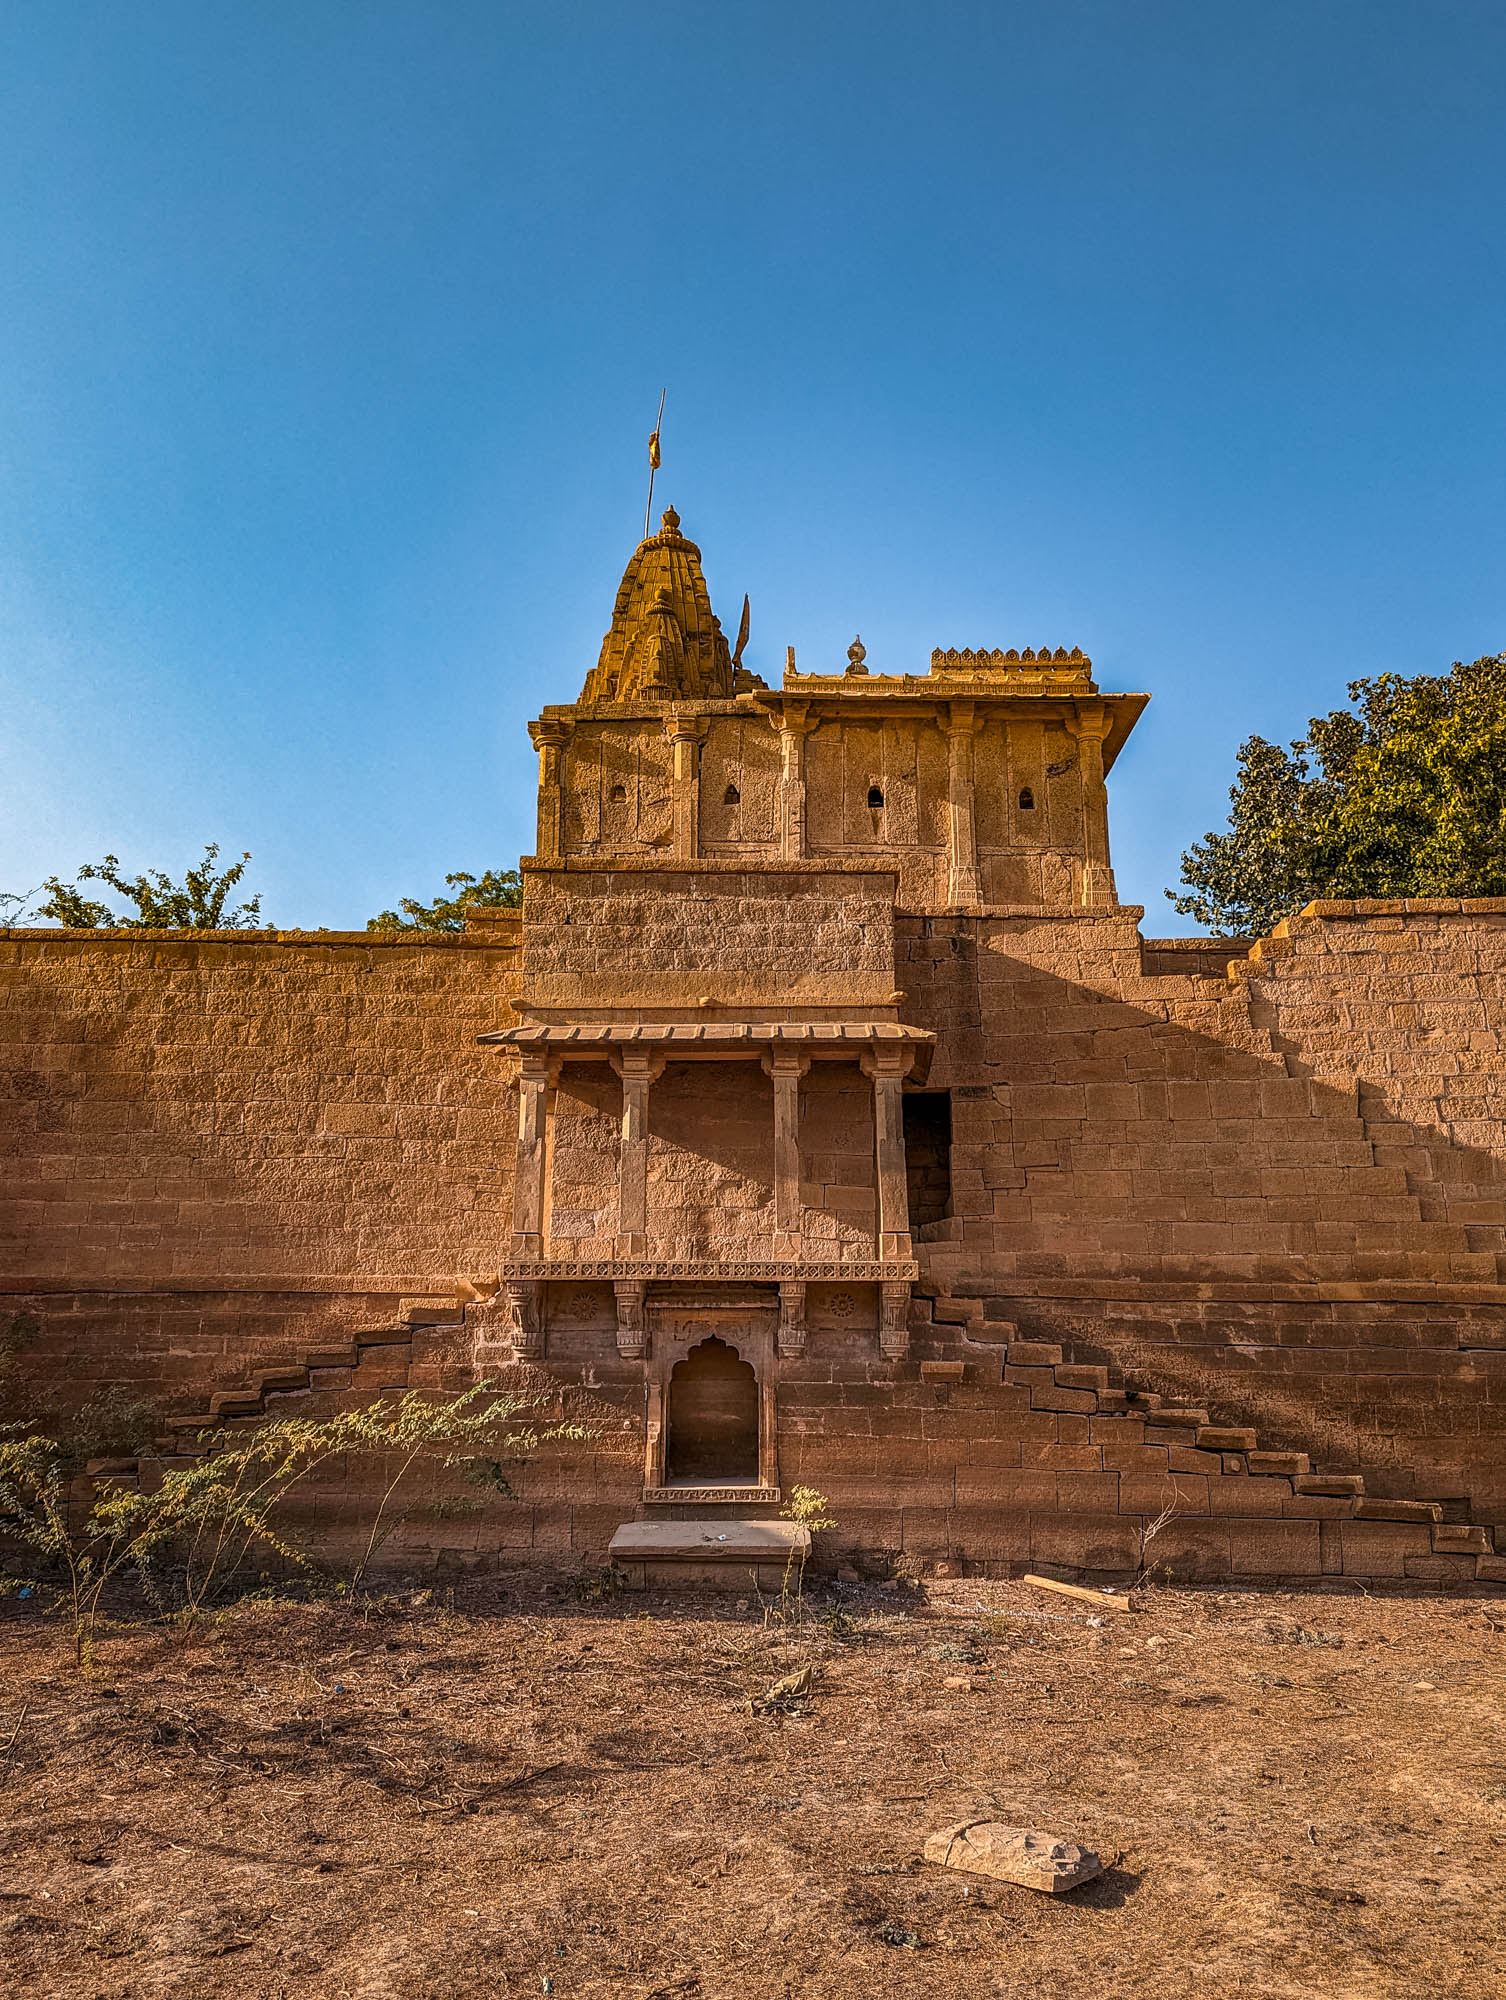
(1099, 1597)
(892, 1931)
(790, 1696)
(1014, 1854)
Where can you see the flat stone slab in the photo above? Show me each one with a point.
(710, 1541)
(1014, 1854)
(720, 1555)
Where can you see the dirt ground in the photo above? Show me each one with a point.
(531, 1791)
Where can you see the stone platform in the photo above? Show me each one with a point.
(709, 1555)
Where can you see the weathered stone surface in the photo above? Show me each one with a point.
(1014, 1854)
(1266, 1180)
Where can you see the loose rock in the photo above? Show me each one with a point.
(1014, 1854)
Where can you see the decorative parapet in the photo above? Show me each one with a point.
(764, 1271)
(996, 660)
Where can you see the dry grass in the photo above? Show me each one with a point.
(1300, 1795)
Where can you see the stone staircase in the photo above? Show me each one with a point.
(1148, 1433)
(1135, 1432)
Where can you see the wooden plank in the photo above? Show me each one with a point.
(1098, 1597)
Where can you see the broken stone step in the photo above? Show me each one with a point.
(1461, 1538)
(1113, 1403)
(1330, 1485)
(1286, 1463)
(1033, 1354)
(1399, 1510)
(282, 1379)
(1219, 1437)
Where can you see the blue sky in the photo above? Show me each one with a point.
(330, 336)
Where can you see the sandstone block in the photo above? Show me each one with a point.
(1014, 1854)
(1033, 1354)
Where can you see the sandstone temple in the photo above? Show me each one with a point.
(822, 1118)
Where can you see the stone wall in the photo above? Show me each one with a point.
(1279, 1195)
(215, 1152)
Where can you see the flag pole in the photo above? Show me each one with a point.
(653, 463)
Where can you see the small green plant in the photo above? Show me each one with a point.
(201, 1520)
(808, 1507)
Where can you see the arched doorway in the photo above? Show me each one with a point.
(713, 1418)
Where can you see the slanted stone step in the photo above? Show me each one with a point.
(280, 1380)
(1285, 1463)
(235, 1402)
(1220, 1437)
(1330, 1485)
(1072, 1376)
(1428, 1511)
(728, 1554)
(1033, 1354)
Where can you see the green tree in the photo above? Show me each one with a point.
(1401, 794)
(497, 889)
(160, 903)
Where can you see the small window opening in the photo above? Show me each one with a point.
(731, 796)
(617, 794)
(875, 796)
(928, 1155)
(1027, 800)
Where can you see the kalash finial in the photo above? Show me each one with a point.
(670, 523)
(857, 654)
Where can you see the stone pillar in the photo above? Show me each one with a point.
(632, 1323)
(962, 824)
(791, 1317)
(525, 1318)
(887, 1066)
(1090, 724)
(794, 725)
(549, 739)
(894, 1319)
(786, 1068)
(530, 1184)
(638, 1069)
(685, 733)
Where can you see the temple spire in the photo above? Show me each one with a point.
(664, 643)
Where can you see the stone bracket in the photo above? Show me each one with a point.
(792, 1331)
(525, 1318)
(632, 1322)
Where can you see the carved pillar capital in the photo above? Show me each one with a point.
(794, 722)
(550, 734)
(685, 732)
